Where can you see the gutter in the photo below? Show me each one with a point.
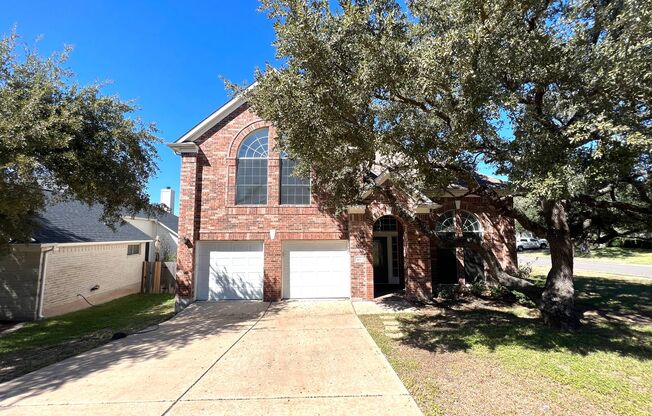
(38, 313)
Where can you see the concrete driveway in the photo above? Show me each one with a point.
(224, 358)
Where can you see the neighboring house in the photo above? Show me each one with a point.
(73, 259)
(164, 227)
(250, 230)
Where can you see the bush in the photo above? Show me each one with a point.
(498, 292)
(524, 271)
(478, 288)
(630, 243)
(617, 242)
(523, 300)
(445, 292)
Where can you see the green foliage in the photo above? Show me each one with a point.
(69, 139)
(497, 292)
(445, 292)
(523, 300)
(478, 288)
(557, 95)
(617, 242)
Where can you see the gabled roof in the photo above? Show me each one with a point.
(169, 220)
(76, 222)
(212, 120)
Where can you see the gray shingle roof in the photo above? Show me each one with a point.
(76, 222)
(171, 221)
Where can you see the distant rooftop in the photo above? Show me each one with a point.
(76, 222)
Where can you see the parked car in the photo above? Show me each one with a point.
(531, 244)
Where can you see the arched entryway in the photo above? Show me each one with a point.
(388, 256)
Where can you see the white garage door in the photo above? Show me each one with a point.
(229, 270)
(316, 269)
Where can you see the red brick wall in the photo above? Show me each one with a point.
(208, 211)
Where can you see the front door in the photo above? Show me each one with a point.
(381, 265)
(446, 267)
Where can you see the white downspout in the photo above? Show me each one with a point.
(42, 275)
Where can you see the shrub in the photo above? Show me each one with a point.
(524, 271)
(478, 288)
(523, 300)
(497, 292)
(446, 292)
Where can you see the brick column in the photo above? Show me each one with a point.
(273, 182)
(189, 200)
(273, 171)
(360, 248)
(418, 282)
(273, 269)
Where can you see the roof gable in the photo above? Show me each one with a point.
(211, 121)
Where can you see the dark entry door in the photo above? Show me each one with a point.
(446, 267)
(380, 260)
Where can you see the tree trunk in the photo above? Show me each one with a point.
(557, 300)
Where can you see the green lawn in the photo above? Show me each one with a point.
(612, 254)
(606, 367)
(43, 342)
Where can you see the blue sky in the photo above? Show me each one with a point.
(166, 55)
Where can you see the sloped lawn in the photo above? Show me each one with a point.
(486, 357)
(41, 343)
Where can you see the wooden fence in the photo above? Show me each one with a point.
(157, 278)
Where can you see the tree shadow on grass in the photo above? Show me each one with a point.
(613, 298)
(613, 311)
(462, 330)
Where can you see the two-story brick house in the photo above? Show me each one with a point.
(249, 229)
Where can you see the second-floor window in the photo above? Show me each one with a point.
(295, 190)
(251, 169)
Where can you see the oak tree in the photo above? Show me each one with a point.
(556, 95)
(60, 140)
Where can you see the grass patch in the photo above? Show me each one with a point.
(608, 363)
(44, 342)
(610, 254)
(424, 392)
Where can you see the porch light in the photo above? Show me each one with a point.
(272, 234)
(457, 204)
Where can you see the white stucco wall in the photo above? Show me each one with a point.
(152, 228)
(73, 270)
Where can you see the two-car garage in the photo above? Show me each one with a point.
(309, 269)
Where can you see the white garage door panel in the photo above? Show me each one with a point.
(230, 270)
(316, 269)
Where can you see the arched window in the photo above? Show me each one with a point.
(446, 223)
(470, 223)
(446, 227)
(294, 189)
(251, 169)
